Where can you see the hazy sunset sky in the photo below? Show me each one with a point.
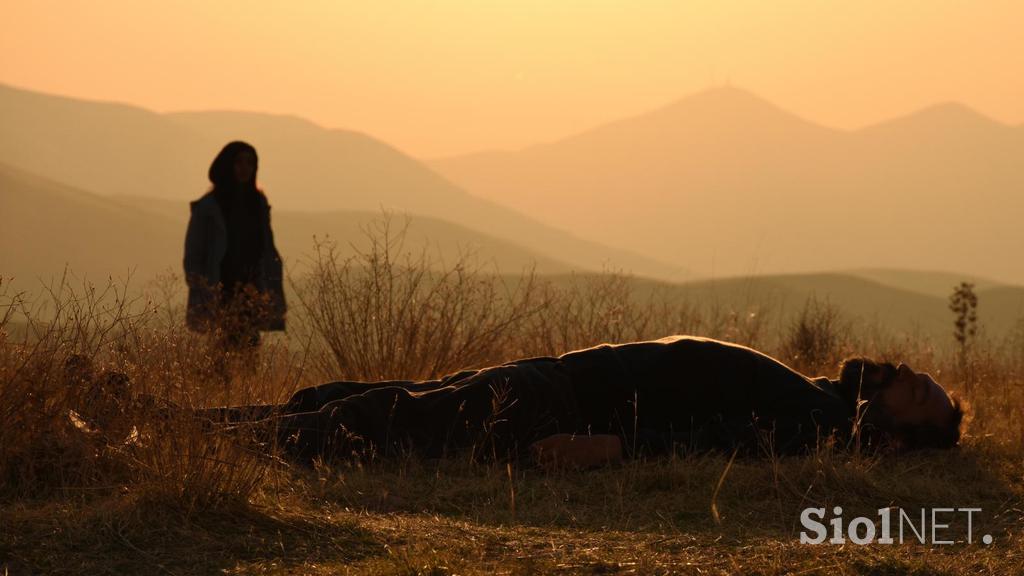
(450, 76)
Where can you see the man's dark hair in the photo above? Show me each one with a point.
(860, 381)
(863, 378)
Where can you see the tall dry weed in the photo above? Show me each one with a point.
(96, 395)
(382, 314)
(817, 338)
(386, 313)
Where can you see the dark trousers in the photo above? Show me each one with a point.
(495, 413)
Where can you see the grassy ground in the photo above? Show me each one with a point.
(179, 499)
(415, 517)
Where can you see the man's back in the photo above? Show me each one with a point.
(682, 391)
(701, 393)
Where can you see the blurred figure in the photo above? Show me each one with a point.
(100, 401)
(233, 269)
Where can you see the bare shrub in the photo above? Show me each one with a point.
(817, 337)
(670, 315)
(386, 313)
(39, 446)
(382, 314)
(99, 396)
(585, 310)
(1008, 386)
(589, 309)
(745, 325)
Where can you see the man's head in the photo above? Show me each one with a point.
(906, 409)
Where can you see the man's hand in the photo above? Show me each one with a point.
(569, 450)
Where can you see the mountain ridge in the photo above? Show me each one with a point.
(719, 193)
(47, 225)
(114, 149)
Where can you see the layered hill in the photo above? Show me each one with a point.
(46, 226)
(726, 183)
(114, 149)
(896, 315)
(931, 282)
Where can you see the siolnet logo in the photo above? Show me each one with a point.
(937, 526)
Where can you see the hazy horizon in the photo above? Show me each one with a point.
(446, 78)
(822, 139)
(625, 115)
(723, 160)
(420, 319)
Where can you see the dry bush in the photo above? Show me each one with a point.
(385, 314)
(98, 396)
(817, 337)
(40, 448)
(585, 310)
(388, 314)
(382, 314)
(747, 325)
(996, 388)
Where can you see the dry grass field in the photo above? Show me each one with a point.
(160, 494)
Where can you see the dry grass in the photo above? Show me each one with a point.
(179, 498)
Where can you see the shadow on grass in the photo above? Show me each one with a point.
(118, 537)
(896, 567)
(758, 498)
(450, 516)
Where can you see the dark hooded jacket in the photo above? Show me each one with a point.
(206, 245)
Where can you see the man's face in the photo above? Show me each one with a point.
(916, 399)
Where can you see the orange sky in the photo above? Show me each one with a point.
(450, 76)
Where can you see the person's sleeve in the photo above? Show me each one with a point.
(197, 242)
(201, 287)
(273, 278)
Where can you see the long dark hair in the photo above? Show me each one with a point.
(243, 205)
(222, 170)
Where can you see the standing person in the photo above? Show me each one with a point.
(233, 269)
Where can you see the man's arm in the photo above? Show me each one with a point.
(569, 450)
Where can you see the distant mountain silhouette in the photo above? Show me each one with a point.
(873, 308)
(115, 149)
(932, 283)
(725, 183)
(45, 226)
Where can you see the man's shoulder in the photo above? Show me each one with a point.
(673, 352)
(675, 342)
(641, 347)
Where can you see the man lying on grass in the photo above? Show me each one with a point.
(605, 403)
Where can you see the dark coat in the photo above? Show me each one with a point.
(206, 244)
(688, 392)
